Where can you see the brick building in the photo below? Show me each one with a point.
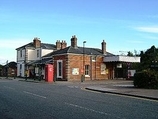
(9, 70)
(70, 63)
(73, 63)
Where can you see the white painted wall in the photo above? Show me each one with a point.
(32, 56)
(18, 69)
(20, 61)
(46, 51)
(20, 72)
(19, 55)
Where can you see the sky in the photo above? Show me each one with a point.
(125, 25)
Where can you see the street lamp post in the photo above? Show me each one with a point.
(7, 69)
(83, 71)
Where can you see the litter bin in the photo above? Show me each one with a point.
(82, 78)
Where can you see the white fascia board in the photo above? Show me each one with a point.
(121, 59)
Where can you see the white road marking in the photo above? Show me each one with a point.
(77, 106)
(88, 109)
(73, 86)
(34, 94)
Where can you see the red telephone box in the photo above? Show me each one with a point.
(49, 73)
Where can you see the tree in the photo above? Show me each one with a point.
(129, 53)
(147, 77)
(148, 58)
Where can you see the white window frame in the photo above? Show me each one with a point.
(58, 74)
(87, 70)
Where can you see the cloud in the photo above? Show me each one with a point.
(148, 36)
(9, 55)
(12, 43)
(149, 29)
(7, 49)
(3, 60)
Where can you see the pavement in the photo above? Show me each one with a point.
(115, 86)
(125, 88)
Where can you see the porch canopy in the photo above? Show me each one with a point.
(42, 61)
(120, 58)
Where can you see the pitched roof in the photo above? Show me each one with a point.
(42, 61)
(43, 46)
(11, 65)
(48, 46)
(78, 50)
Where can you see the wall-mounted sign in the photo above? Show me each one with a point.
(131, 73)
(75, 71)
(36, 70)
(103, 68)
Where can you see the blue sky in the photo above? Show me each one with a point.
(125, 25)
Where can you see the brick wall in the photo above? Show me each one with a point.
(37, 43)
(11, 72)
(64, 59)
(73, 67)
(75, 63)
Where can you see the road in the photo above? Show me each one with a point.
(28, 100)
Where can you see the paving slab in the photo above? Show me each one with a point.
(128, 91)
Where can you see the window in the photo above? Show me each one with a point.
(20, 66)
(37, 53)
(87, 70)
(59, 69)
(20, 53)
(20, 70)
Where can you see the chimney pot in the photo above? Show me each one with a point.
(103, 47)
(36, 42)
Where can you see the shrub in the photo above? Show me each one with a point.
(146, 79)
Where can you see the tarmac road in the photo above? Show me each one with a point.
(60, 100)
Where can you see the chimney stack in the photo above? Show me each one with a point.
(58, 45)
(103, 47)
(74, 41)
(61, 45)
(36, 42)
